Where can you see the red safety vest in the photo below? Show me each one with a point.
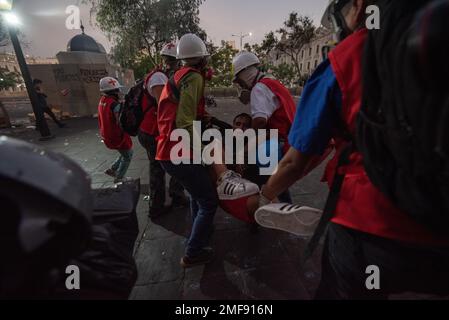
(166, 115)
(113, 136)
(361, 206)
(284, 115)
(149, 106)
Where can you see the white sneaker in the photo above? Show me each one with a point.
(300, 221)
(232, 186)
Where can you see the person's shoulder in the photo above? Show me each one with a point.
(192, 78)
(261, 89)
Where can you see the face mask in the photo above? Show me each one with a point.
(245, 96)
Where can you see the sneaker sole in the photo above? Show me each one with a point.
(301, 222)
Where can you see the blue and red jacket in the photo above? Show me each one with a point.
(335, 91)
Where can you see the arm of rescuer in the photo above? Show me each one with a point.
(315, 121)
(191, 93)
(116, 110)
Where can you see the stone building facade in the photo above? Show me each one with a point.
(311, 54)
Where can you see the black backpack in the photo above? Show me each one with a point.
(403, 125)
(131, 113)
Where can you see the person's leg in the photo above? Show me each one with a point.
(117, 163)
(126, 158)
(196, 180)
(402, 267)
(343, 274)
(176, 192)
(156, 178)
(229, 185)
(53, 116)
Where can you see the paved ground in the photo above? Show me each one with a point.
(248, 266)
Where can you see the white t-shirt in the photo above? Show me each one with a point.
(263, 102)
(157, 79)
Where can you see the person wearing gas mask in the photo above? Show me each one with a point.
(272, 105)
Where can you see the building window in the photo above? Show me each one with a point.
(308, 66)
(310, 52)
(302, 54)
(316, 63)
(317, 49)
(300, 67)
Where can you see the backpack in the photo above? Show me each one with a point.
(403, 124)
(131, 113)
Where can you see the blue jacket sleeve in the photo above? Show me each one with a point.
(317, 113)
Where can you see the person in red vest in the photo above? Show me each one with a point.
(113, 136)
(154, 84)
(182, 102)
(272, 105)
(366, 229)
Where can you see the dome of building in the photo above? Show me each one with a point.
(84, 43)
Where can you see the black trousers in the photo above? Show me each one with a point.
(402, 267)
(157, 175)
(52, 115)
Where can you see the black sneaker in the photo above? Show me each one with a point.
(205, 257)
(158, 212)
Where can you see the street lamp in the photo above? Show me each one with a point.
(13, 22)
(242, 36)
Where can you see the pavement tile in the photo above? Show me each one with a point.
(158, 261)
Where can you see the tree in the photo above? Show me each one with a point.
(221, 62)
(140, 28)
(8, 79)
(290, 41)
(285, 73)
(296, 33)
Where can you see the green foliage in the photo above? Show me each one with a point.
(221, 62)
(8, 79)
(289, 40)
(141, 27)
(286, 74)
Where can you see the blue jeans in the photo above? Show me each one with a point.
(121, 165)
(203, 199)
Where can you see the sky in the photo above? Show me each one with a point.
(45, 34)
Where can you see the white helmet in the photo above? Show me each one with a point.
(191, 46)
(242, 61)
(169, 50)
(109, 84)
